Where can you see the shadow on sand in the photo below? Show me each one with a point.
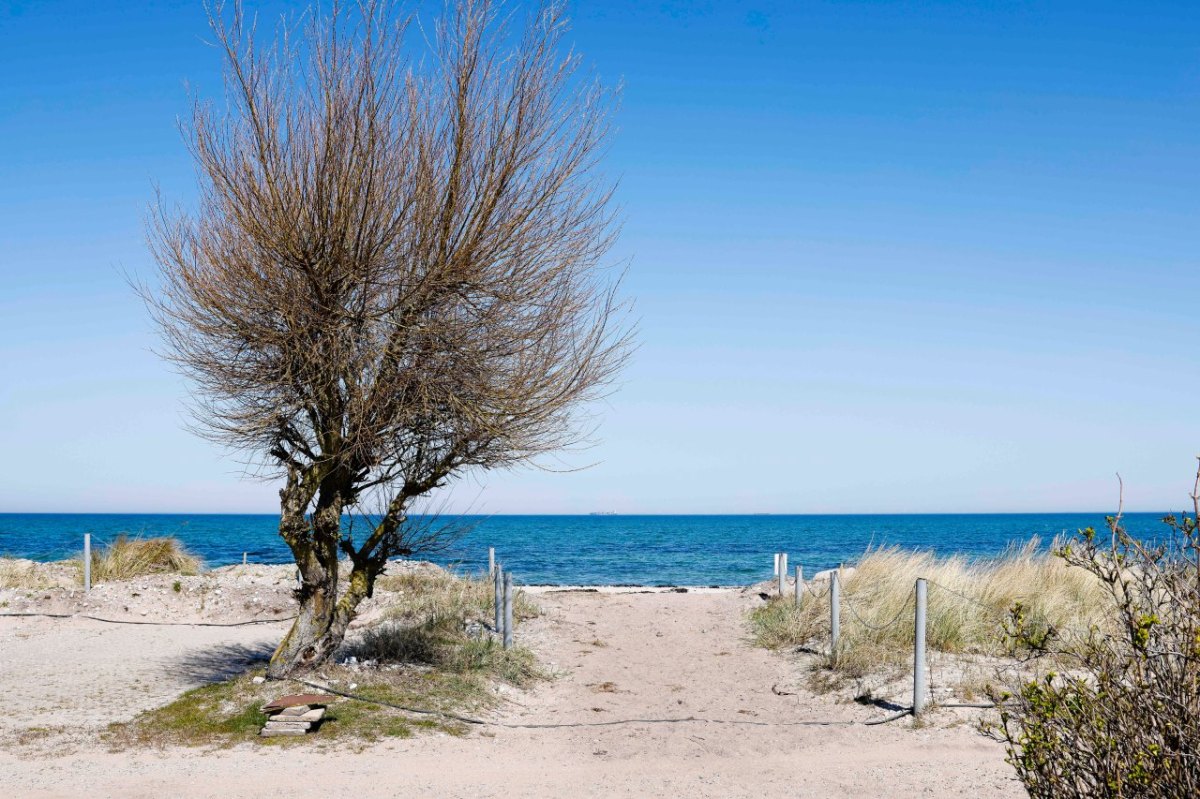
(220, 662)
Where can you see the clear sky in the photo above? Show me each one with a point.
(887, 257)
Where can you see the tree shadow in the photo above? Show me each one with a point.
(219, 662)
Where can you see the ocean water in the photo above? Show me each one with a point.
(595, 550)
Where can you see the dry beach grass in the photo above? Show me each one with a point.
(968, 605)
(124, 558)
(127, 557)
(29, 575)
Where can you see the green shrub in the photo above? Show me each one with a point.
(1122, 719)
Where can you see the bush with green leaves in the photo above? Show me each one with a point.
(1119, 714)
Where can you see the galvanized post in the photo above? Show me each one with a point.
(783, 570)
(835, 613)
(919, 690)
(491, 561)
(799, 584)
(776, 572)
(244, 558)
(508, 603)
(87, 561)
(498, 579)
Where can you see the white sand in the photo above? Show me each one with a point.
(666, 655)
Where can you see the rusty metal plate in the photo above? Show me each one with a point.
(297, 699)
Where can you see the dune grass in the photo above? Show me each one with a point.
(436, 593)
(968, 604)
(126, 557)
(31, 575)
(439, 620)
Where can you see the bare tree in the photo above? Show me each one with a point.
(393, 273)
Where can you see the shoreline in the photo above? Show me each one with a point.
(63, 574)
(71, 564)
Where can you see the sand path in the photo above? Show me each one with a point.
(620, 656)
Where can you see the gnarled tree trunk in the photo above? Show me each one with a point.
(323, 616)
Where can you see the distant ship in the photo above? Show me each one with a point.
(603, 513)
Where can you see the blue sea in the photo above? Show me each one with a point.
(598, 549)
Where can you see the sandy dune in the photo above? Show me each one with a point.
(620, 656)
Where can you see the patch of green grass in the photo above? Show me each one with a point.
(227, 713)
(428, 661)
(516, 666)
(223, 713)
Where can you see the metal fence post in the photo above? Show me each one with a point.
(87, 561)
(783, 571)
(919, 690)
(799, 584)
(776, 572)
(835, 613)
(508, 611)
(491, 561)
(498, 585)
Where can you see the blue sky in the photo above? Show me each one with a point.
(886, 257)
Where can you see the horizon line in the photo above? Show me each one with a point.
(618, 514)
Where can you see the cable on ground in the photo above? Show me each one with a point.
(149, 623)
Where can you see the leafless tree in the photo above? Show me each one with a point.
(393, 273)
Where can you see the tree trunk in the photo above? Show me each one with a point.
(323, 617)
(317, 632)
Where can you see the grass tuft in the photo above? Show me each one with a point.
(125, 558)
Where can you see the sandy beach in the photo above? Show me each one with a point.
(618, 656)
